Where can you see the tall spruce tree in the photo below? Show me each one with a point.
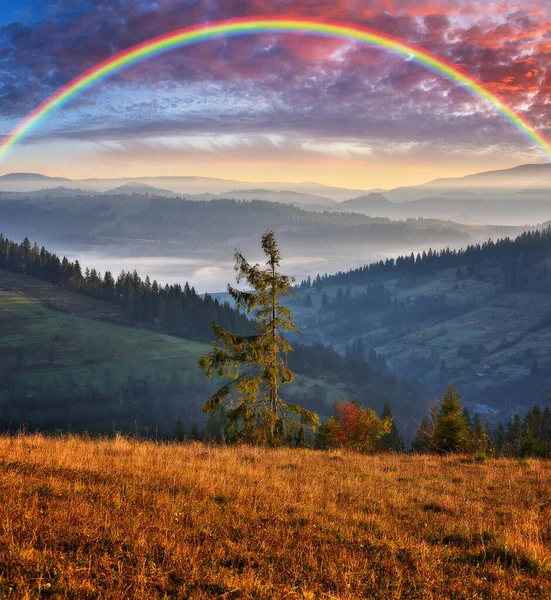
(256, 364)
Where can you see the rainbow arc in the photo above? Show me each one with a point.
(254, 26)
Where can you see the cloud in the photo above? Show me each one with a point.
(327, 89)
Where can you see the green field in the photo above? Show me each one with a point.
(41, 343)
(43, 349)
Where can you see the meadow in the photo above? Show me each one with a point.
(122, 518)
(54, 345)
(54, 339)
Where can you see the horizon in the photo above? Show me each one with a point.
(136, 179)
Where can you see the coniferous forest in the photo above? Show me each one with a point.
(176, 310)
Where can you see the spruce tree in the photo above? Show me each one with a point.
(479, 439)
(422, 442)
(450, 427)
(195, 432)
(256, 364)
(514, 436)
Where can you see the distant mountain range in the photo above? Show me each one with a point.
(186, 186)
(524, 176)
(511, 196)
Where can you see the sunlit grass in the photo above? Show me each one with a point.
(126, 519)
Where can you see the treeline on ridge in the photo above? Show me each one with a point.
(514, 254)
(176, 310)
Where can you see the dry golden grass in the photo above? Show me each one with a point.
(126, 519)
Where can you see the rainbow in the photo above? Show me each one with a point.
(272, 25)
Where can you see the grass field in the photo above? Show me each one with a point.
(53, 344)
(126, 519)
(58, 298)
(42, 347)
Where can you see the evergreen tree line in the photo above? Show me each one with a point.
(514, 255)
(176, 310)
(449, 428)
(375, 296)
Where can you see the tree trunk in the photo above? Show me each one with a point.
(273, 382)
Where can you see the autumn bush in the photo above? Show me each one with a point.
(354, 426)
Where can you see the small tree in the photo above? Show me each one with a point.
(195, 432)
(391, 440)
(354, 426)
(179, 431)
(421, 443)
(479, 440)
(450, 427)
(256, 364)
(425, 429)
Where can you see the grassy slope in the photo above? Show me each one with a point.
(86, 347)
(503, 324)
(123, 519)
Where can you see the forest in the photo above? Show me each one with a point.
(513, 255)
(176, 310)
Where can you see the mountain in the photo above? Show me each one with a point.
(517, 196)
(181, 185)
(529, 176)
(459, 206)
(491, 183)
(373, 203)
(27, 182)
(283, 196)
(478, 317)
(179, 237)
(30, 177)
(141, 189)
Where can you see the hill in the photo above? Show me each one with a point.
(93, 352)
(510, 207)
(479, 318)
(283, 196)
(371, 204)
(205, 233)
(124, 519)
(523, 176)
(29, 177)
(141, 189)
(60, 371)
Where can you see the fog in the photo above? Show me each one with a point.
(209, 274)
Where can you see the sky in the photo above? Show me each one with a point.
(275, 107)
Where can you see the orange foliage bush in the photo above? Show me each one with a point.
(356, 427)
